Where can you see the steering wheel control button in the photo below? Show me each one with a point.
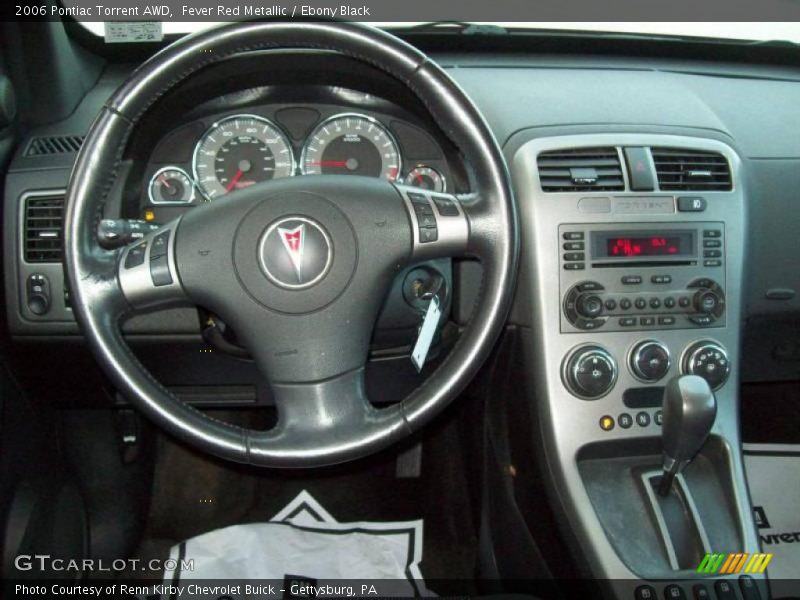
(445, 206)
(136, 255)
(160, 245)
(428, 234)
(625, 420)
(295, 252)
(159, 271)
(708, 360)
(642, 419)
(590, 372)
(607, 423)
(649, 361)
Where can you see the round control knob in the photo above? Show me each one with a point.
(706, 301)
(590, 372)
(589, 305)
(708, 360)
(649, 360)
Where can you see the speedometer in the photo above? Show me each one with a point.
(239, 151)
(351, 144)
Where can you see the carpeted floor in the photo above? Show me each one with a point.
(194, 494)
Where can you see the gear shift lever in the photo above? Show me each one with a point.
(689, 409)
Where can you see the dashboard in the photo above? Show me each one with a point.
(229, 144)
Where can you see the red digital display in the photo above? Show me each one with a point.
(643, 246)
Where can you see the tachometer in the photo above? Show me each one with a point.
(239, 151)
(171, 185)
(351, 144)
(426, 178)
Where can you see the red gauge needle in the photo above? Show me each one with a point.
(418, 177)
(165, 182)
(233, 181)
(330, 163)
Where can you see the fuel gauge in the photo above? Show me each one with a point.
(171, 185)
(426, 178)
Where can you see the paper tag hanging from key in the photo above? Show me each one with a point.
(426, 332)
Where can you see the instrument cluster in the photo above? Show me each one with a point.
(207, 159)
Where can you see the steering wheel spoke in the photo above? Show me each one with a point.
(147, 270)
(331, 419)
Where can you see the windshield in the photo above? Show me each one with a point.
(724, 31)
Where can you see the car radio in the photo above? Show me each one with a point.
(642, 276)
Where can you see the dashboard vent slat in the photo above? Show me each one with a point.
(55, 144)
(581, 170)
(679, 169)
(44, 217)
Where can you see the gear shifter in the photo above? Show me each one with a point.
(689, 409)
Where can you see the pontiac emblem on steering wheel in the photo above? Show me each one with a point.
(295, 252)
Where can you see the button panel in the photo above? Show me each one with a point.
(588, 305)
(653, 294)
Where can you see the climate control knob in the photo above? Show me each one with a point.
(649, 360)
(709, 360)
(590, 372)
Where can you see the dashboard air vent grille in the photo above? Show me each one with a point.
(696, 170)
(57, 144)
(43, 225)
(581, 170)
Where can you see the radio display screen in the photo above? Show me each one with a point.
(672, 244)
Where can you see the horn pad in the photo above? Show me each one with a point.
(295, 252)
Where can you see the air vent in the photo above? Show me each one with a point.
(43, 222)
(691, 170)
(581, 170)
(57, 144)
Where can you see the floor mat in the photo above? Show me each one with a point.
(304, 545)
(773, 474)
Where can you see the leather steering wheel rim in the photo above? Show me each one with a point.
(317, 429)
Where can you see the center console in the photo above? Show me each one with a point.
(632, 275)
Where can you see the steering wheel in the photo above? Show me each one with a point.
(300, 266)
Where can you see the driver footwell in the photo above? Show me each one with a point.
(193, 494)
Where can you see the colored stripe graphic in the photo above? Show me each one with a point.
(737, 562)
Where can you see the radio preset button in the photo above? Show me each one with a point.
(611, 304)
(684, 302)
(669, 302)
(625, 304)
(631, 279)
(640, 303)
(655, 303)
